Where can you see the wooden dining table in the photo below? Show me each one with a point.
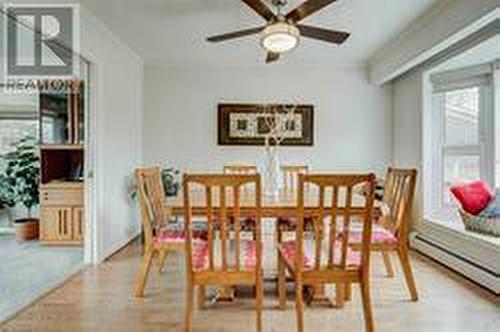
(282, 204)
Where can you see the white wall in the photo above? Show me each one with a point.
(408, 105)
(116, 90)
(353, 126)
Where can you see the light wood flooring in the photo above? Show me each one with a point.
(101, 299)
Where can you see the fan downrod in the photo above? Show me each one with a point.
(279, 4)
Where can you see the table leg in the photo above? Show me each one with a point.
(319, 297)
(226, 294)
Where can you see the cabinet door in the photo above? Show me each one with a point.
(78, 224)
(55, 111)
(56, 223)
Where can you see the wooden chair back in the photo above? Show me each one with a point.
(241, 169)
(151, 198)
(332, 190)
(223, 202)
(398, 195)
(291, 175)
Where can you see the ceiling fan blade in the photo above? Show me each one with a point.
(233, 35)
(307, 8)
(271, 57)
(330, 36)
(260, 8)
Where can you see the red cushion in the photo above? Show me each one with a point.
(473, 196)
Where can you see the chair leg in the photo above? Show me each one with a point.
(367, 306)
(201, 297)
(259, 290)
(279, 233)
(161, 260)
(143, 273)
(388, 265)
(348, 291)
(188, 319)
(340, 295)
(299, 305)
(405, 264)
(281, 282)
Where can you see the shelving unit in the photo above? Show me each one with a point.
(61, 166)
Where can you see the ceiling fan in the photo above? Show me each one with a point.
(283, 31)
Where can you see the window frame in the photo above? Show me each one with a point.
(484, 147)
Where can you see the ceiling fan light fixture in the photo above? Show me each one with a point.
(280, 37)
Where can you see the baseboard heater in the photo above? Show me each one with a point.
(472, 270)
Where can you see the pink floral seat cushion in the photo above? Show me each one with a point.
(380, 235)
(246, 224)
(288, 250)
(169, 237)
(201, 252)
(175, 236)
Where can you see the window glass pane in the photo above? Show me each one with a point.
(49, 132)
(13, 130)
(458, 169)
(462, 117)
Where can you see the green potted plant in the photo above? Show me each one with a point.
(171, 183)
(22, 173)
(6, 195)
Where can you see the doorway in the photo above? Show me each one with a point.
(55, 129)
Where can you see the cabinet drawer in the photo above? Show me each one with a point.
(61, 197)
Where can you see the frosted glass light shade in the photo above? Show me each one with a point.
(280, 37)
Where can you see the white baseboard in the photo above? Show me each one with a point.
(7, 230)
(120, 245)
(448, 256)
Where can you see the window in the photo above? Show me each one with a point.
(462, 133)
(12, 130)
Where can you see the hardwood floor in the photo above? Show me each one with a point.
(101, 299)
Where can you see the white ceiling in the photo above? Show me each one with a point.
(173, 32)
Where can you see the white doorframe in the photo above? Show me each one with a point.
(91, 242)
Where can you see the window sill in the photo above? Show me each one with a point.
(452, 223)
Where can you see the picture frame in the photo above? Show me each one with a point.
(249, 124)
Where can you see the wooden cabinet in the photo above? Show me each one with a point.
(61, 131)
(61, 214)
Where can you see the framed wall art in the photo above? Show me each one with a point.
(253, 124)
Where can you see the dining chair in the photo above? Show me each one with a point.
(328, 259)
(159, 238)
(225, 259)
(390, 233)
(290, 175)
(248, 224)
